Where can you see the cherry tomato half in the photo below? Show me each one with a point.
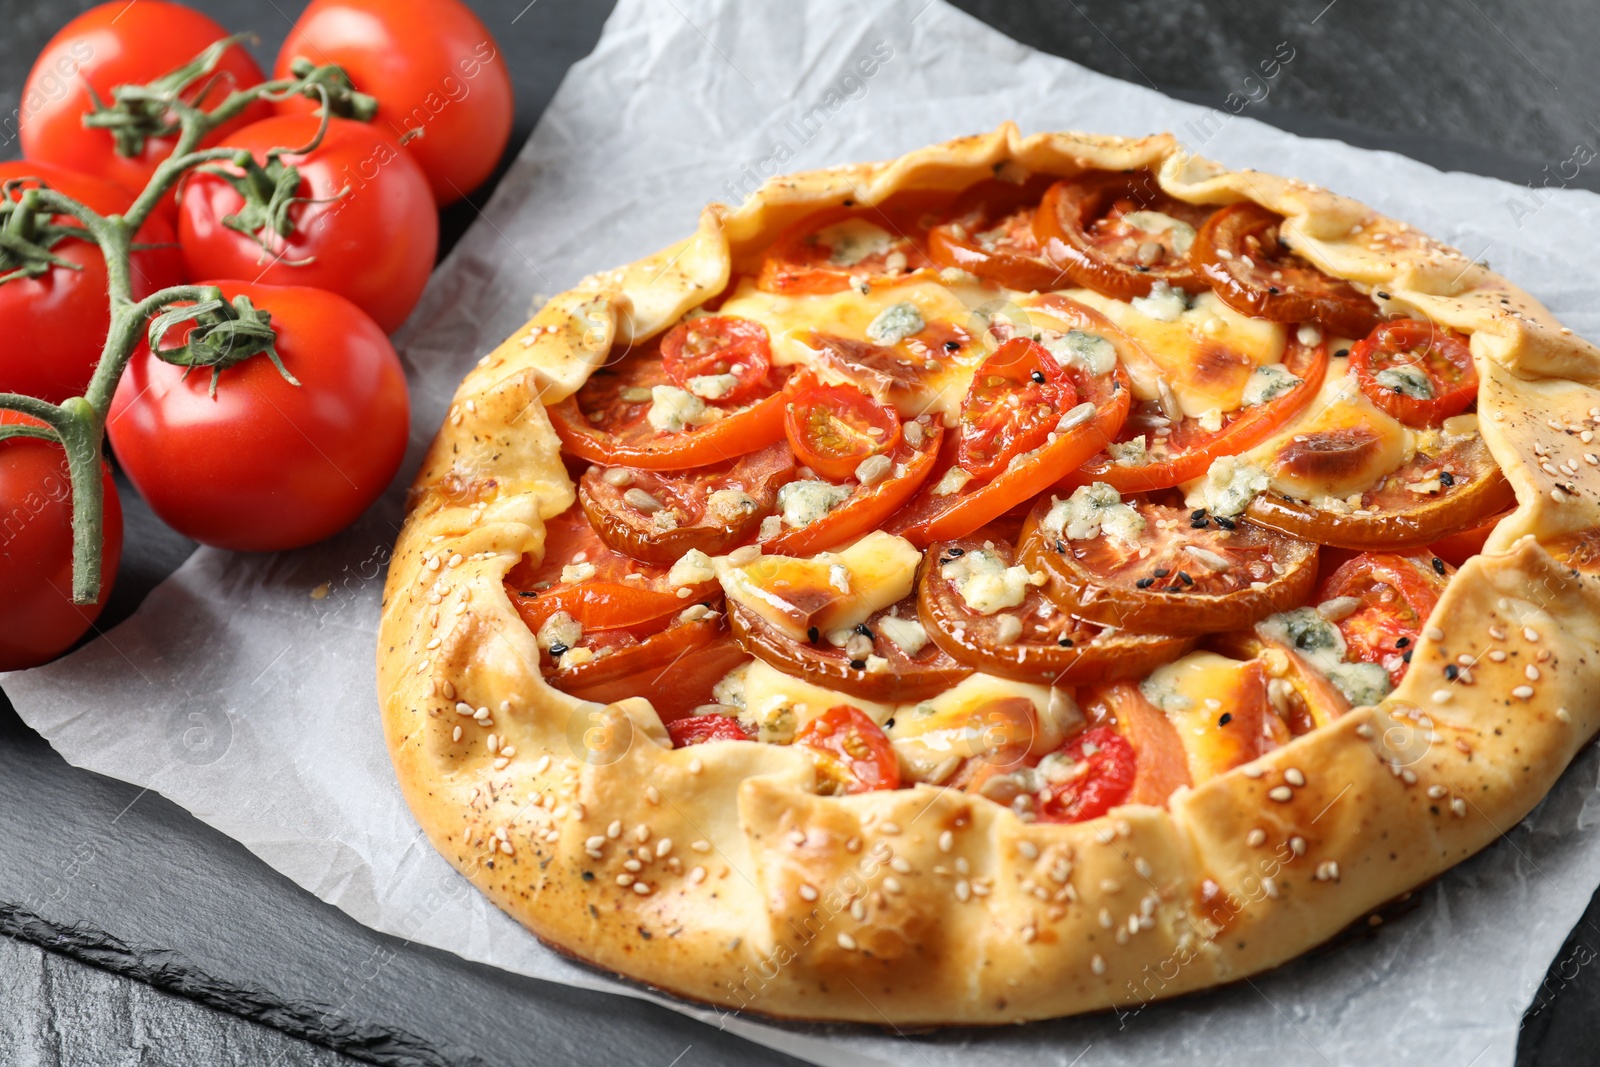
(698, 729)
(365, 226)
(442, 85)
(1103, 764)
(114, 44)
(1016, 398)
(1395, 595)
(824, 252)
(1119, 234)
(716, 345)
(55, 325)
(1240, 251)
(990, 232)
(266, 465)
(40, 619)
(852, 754)
(1418, 372)
(833, 428)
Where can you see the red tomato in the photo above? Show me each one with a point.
(851, 752)
(832, 428)
(121, 43)
(266, 465)
(698, 729)
(1105, 782)
(55, 325)
(1017, 396)
(1396, 594)
(443, 87)
(716, 345)
(373, 245)
(38, 620)
(1430, 373)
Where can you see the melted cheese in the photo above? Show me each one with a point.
(1340, 406)
(829, 591)
(980, 715)
(1196, 691)
(779, 705)
(1205, 355)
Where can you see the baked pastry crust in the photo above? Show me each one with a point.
(928, 906)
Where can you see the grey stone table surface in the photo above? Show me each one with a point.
(136, 935)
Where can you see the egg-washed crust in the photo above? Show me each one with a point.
(714, 872)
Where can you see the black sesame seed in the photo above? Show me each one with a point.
(848, 203)
(1451, 671)
(812, 634)
(1141, 268)
(1403, 642)
(1198, 524)
(1145, 583)
(1225, 718)
(1438, 565)
(954, 552)
(1065, 642)
(1406, 658)
(1198, 513)
(889, 725)
(1274, 290)
(1381, 294)
(588, 876)
(558, 649)
(863, 629)
(1161, 572)
(1037, 376)
(1446, 479)
(1342, 353)
(858, 664)
(1061, 548)
(952, 346)
(1183, 576)
(1226, 524)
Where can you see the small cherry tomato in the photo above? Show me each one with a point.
(442, 85)
(362, 223)
(1100, 766)
(1418, 372)
(55, 324)
(827, 251)
(851, 753)
(833, 428)
(38, 620)
(1240, 251)
(1017, 396)
(990, 232)
(1395, 596)
(1119, 234)
(114, 44)
(718, 347)
(264, 464)
(698, 729)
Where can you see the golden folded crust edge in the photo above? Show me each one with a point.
(714, 873)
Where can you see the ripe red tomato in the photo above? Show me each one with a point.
(373, 245)
(38, 620)
(1016, 397)
(1110, 765)
(443, 87)
(714, 345)
(265, 465)
(833, 428)
(119, 43)
(698, 729)
(851, 753)
(54, 325)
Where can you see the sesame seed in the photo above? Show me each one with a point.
(1531, 672)
(455, 735)
(501, 764)
(1029, 933)
(900, 865)
(641, 833)
(797, 837)
(1143, 867)
(1256, 838)
(1097, 964)
(807, 891)
(597, 841)
(697, 875)
(695, 766)
(543, 764)
(1497, 654)
(1437, 791)
(1408, 776)
(632, 865)
(961, 865)
(891, 884)
(1270, 887)
(858, 910)
(890, 828)
(1280, 793)
(1294, 777)
(505, 846)
(1328, 871)
(1523, 692)
(1110, 885)
(701, 846)
(463, 708)
(508, 751)
(1441, 696)
(963, 890)
(1497, 633)
(1364, 730)
(663, 847)
(455, 560)
(1458, 807)
(1530, 634)
(614, 831)
(1563, 714)
(1028, 850)
(624, 880)
(1433, 633)
(1297, 845)
(1254, 770)
(947, 841)
(641, 888)
(1105, 918)
(847, 942)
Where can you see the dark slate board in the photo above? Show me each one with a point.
(187, 936)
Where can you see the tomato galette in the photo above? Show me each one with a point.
(1029, 576)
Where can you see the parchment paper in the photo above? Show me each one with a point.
(243, 688)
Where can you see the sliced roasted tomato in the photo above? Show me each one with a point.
(1418, 372)
(1177, 452)
(1032, 639)
(1393, 596)
(1163, 765)
(698, 729)
(869, 505)
(1119, 234)
(620, 419)
(827, 251)
(675, 668)
(1179, 574)
(1087, 777)
(851, 753)
(886, 664)
(718, 357)
(599, 587)
(834, 428)
(948, 507)
(1457, 548)
(1242, 254)
(1451, 484)
(657, 517)
(990, 232)
(1017, 396)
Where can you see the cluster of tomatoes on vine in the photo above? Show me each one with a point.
(203, 266)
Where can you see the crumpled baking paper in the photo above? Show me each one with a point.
(243, 688)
